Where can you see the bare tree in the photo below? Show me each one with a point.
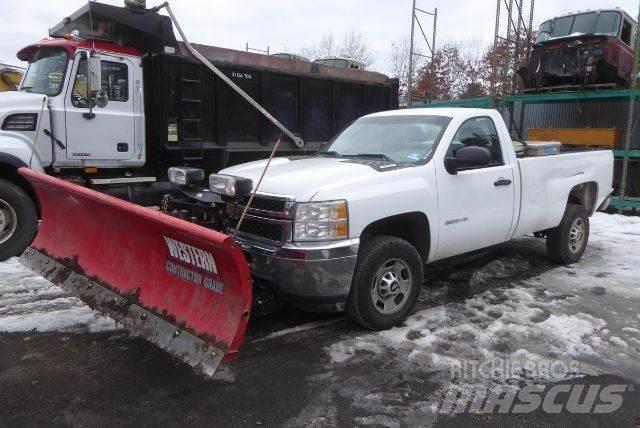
(397, 64)
(354, 45)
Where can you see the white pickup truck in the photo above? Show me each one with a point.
(353, 226)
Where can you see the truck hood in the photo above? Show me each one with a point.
(15, 100)
(19, 102)
(301, 178)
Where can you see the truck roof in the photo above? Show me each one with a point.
(72, 45)
(613, 9)
(434, 111)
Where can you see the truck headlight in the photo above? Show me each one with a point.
(228, 185)
(321, 221)
(185, 176)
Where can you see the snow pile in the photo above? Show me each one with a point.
(29, 302)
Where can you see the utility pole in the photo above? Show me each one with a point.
(431, 45)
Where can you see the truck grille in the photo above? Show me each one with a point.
(266, 204)
(269, 218)
(259, 229)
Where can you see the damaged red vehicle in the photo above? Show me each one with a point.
(582, 49)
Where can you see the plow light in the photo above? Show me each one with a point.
(228, 185)
(321, 221)
(184, 176)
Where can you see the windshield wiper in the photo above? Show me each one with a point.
(373, 155)
(330, 153)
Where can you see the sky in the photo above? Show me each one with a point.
(293, 24)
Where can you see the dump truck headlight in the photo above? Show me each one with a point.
(321, 221)
(228, 185)
(185, 176)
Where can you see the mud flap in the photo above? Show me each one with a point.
(183, 287)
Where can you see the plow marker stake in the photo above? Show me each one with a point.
(183, 287)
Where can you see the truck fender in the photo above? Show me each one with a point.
(9, 165)
(413, 227)
(17, 152)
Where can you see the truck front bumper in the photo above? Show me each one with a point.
(314, 274)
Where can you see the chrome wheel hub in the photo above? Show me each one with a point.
(391, 286)
(8, 221)
(577, 235)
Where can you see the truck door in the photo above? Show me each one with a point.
(476, 205)
(108, 133)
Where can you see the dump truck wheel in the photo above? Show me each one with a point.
(18, 220)
(567, 242)
(386, 283)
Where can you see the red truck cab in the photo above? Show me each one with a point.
(582, 49)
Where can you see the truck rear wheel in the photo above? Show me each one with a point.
(567, 242)
(386, 283)
(18, 220)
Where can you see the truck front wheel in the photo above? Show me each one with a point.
(386, 283)
(18, 220)
(567, 242)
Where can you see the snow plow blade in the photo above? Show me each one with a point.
(181, 286)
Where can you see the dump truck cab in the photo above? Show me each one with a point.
(109, 134)
(581, 49)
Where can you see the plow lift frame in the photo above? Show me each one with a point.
(192, 300)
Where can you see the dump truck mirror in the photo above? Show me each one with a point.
(95, 74)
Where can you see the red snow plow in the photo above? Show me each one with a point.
(183, 287)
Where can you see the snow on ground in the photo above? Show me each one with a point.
(29, 302)
(561, 324)
(522, 321)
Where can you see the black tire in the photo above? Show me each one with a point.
(20, 220)
(563, 244)
(374, 255)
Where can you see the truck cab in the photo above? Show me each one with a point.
(79, 135)
(581, 49)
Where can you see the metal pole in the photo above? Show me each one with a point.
(507, 51)
(494, 66)
(530, 31)
(410, 76)
(433, 52)
(632, 105)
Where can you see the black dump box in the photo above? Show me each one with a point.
(194, 118)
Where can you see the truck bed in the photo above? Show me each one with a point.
(547, 181)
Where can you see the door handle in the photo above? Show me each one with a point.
(502, 182)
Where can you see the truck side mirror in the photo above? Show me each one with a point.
(95, 74)
(468, 157)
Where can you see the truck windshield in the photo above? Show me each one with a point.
(46, 71)
(600, 23)
(403, 139)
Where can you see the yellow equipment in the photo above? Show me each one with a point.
(593, 137)
(9, 78)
